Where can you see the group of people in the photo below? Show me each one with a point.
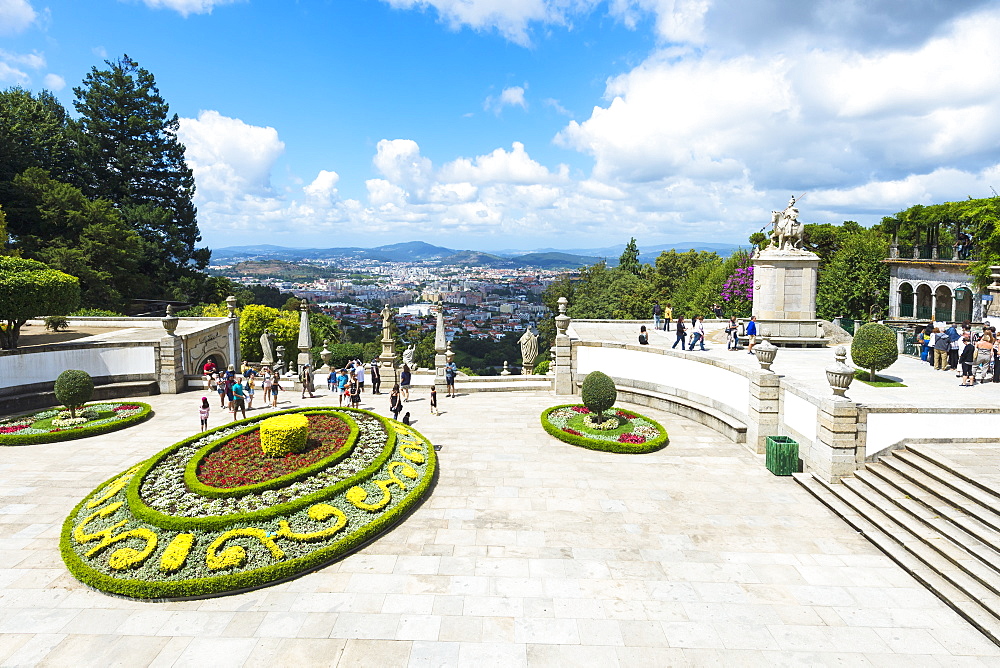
(349, 382)
(697, 331)
(237, 390)
(975, 355)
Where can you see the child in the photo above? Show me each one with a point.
(203, 413)
(275, 388)
(406, 418)
(249, 389)
(434, 401)
(220, 387)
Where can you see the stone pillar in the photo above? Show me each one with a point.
(839, 448)
(763, 411)
(171, 365)
(305, 336)
(440, 345)
(563, 352)
(387, 360)
(785, 285)
(993, 309)
(235, 356)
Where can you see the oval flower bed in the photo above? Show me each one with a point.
(56, 424)
(193, 521)
(624, 431)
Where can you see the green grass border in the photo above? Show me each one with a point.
(236, 583)
(198, 487)
(651, 445)
(79, 432)
(880, 381)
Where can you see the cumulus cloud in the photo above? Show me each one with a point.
(187, 7)
(15, 67)
(15, 16)
(54, 82)
(511, 18)
(509, 97)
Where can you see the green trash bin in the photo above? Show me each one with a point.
(782, 455)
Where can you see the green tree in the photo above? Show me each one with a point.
(855, 283)
(609, 293)
(672, 268)
(874, 348)
(629, 260)
(129, 153)
(82, 237)
(34, 132)
(29, 289)
(283, 325)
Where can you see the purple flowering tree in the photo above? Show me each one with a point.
(737, 291)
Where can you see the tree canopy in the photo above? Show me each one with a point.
(29, 289)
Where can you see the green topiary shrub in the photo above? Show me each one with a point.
(541, 368)
(56, 323)
(598, 394)
(874, 348)
(283, 434)
(73, 389)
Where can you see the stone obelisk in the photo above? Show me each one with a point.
(305, 336)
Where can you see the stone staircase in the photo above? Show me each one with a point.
(939, 524)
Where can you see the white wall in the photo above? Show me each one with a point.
(45, 367)
(799, 415)
(886, 429)
(728, 388)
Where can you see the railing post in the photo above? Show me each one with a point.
(564, 352)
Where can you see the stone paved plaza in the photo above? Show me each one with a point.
(529, 551)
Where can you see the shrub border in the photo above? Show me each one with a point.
(651, 445)
(237, 583)
(79, 432)
(198, 487)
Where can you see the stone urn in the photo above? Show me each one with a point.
(506, 369)
(838, 374)
(170, 322)
(325, 354)
(562, 320)
(765, 352)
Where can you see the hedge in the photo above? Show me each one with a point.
(651, 445)
(71, 433)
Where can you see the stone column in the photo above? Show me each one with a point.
(440, 345)
(305, 336)
(235, 355)
(563, 352)
(993, 310)
(839, 448)
(763, 412)
(387, 360)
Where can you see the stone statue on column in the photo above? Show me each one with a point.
(529, 351)
(267, 348)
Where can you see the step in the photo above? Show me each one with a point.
(942, 462)
(982, 540)
(955, 598)
(936, 533)
(936, 485)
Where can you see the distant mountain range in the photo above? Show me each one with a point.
(419, 251)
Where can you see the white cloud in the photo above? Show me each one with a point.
(13, 66)
(511, 18)
(558, 108)
(54, 82)
(187, 7)
(509, 97)
(324, 187)
(12, 75)
(500, 166)
(15, 16)
(399, 160)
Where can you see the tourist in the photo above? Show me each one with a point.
(404, 381)
(984, 354)
(657, 312)
(359, 371)
(751, 334)
(342, 379)
(434, 401)
(230, 380)
(921, 340)
(717, 310)
(203, 412)
(953, 340)
(248, 388)
(450, 373)
(376, 377)
(681, 328)
(355, 389)
(239, 397)
(965, 358)
(265, 383)
(209, 367)
(275, 389)
(395, 403)
(668, 313)
(732, 330)
(306, 379)
(643, 337)
(941, 344)
(698, 332)
(929, 336)
(331, 380)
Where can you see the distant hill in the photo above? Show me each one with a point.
(470, 258)
(281, 270)
(554, 260)
(410, 251)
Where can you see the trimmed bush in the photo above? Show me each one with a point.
(598, 393)
(626, 443)
(874, 348)
(283, 434)
(74, 388)
(541, 368)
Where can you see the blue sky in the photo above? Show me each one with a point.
(495, 124)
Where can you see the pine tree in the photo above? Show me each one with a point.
(629, 260)
(129, 154)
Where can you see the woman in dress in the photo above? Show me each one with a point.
(404, 382)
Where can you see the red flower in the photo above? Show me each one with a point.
(581, 409)
(631, 438)
(11, 430)
(572, 431)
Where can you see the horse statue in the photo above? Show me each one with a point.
(787, 230)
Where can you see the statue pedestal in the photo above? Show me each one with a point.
(784, 297)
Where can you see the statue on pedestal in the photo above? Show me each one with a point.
(267, 348)
(786, 233)
(408, 355)
(529, 351)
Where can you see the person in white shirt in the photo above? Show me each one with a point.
(698, 332)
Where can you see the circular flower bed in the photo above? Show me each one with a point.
(57, 424)
(621, 431)
(207, 516)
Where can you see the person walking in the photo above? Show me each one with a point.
(966, 356)
(331, 381)
(921, 340)
(668, 313)
(751, 334)
(275, 390)
(953, 340)
(698, 332)
(681, 328)
(239, 398)
(984, 355)
(306, 378)
(395, 402)
(657, 312)
(450, 373)
(220, 388)
(265, 384)
(355, 388)
(404, 382)
(249, 390)
(732, 327)
(376, 377)
(203, 412)
(434, 401)
(359, 370)
(342, 379)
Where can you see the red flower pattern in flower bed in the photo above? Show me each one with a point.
(241, 461)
